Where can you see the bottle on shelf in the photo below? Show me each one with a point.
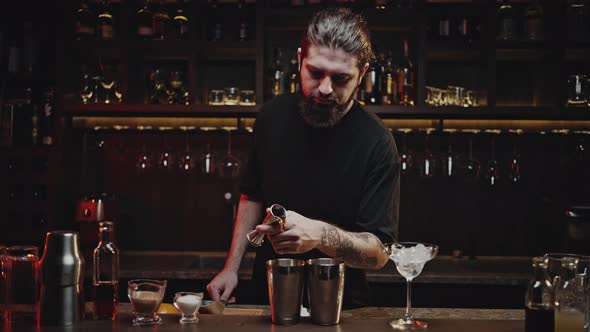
(371, 95)
(293, 85)
(105, 274)
(405, 76)
(109, 90)
(538, 306)
(48, 118)
(577, 17)
(533, 23)
(105, 23)
(161, 21)
(144, 22)
(507, 27)
(389, 83)
(277, 75)
(180, 22)
(85, 22)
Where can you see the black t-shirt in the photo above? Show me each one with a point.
(347, 176)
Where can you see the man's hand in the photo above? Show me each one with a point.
(221, 287)
(301, 234)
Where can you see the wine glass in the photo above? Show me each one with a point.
(472, 166)
(207, 159)
(492, 173)
(514, 168)
(429, 162)
(166, 157)
(229, 165)
(409, 259)
(143, 160)
(186, 161)
(406, 158)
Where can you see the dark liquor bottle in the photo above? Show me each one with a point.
(539, 316)
(294, 84)
(48, 118)
(405, 75)
(533, 23)
(105, 276)
(85, 22)
(506, 22)
(389, 83)
(144, 22)
(371, 77)
(105, 24)
(277, 75)
(181, 22)
(161, 21)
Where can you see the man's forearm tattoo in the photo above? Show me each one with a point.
(345, 248)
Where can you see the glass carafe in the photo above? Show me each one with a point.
(570, 302)
(538, 303)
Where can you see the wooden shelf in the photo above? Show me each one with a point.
(135, 110)
(401, 112)
(454, 51)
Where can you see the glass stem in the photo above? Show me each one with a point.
(408, 299)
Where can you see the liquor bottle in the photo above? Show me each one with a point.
(533, 23)
(29, 87)
(294, 84)
(161, 21)
(371, 95)
(538, 306)
(105, 276)
(48, 118)
(85, 22)
(405, 76)
(389, 94)
(181, 23)
(105, 24)
(506, 21)
(277, 75)
(144, 22)
(577, 15)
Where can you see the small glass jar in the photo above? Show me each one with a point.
(232, 96)
(216, 97)
(247, 98)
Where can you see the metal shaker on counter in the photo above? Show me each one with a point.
(62, 275)
(325, 285)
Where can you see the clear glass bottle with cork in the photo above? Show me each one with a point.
(105, 276)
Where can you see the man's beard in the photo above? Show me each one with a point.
(323, 117)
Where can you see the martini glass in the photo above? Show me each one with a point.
(409, 259)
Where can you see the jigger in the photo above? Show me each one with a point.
(276, 214)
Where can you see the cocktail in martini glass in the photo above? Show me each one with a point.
(409, 259)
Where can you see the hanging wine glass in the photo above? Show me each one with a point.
(166, 156)
(229, 165)
(406, 155)
(514, 170)
(143, 159)
(429, 162)
(492, 174)
(186, 161)
(449, 159)
(207, 158)
(472, 166)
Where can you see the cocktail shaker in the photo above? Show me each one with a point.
(62, 275)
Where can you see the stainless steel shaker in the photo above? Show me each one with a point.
(62, 275)
(285, 289)
(325, 285)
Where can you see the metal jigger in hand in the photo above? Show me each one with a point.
(274, 214)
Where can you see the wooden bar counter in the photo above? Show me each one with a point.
(257, 318)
